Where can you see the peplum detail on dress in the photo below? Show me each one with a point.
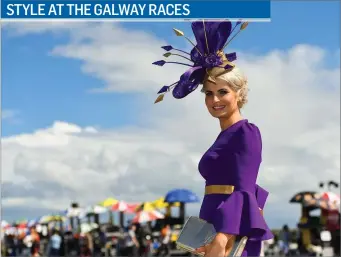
(240, 215)
(261, 196)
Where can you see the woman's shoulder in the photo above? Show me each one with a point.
(249, 136)
(248, 129)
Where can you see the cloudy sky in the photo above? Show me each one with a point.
(79, 123)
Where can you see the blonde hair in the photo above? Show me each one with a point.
(235, 79)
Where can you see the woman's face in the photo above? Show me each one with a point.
(221, 101)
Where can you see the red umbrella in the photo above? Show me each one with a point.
(146, 216)
(122, 206)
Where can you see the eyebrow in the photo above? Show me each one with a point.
(220, 89)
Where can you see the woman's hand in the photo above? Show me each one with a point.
(217, 248)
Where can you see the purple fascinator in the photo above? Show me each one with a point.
(207, 53)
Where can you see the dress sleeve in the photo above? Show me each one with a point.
(240, 213)
(261, 196)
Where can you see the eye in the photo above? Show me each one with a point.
(208, 93)
(223, 92)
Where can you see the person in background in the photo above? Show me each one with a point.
(55, 243)
(98, 242)
(148, 252)
(284, 240)
(155, 247)
(166, 236)
(141, 234)
(332, 224)
(121, 244)
(35, 248)
(86, 245)
(9, 245)
(62, 245)
(20, 243)
(132, 244)
(90, 243)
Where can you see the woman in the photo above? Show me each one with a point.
(233, 202)
(35, 248)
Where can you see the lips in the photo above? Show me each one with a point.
(218, 108)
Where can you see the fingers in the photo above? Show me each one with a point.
(229, 245)
(200, 250)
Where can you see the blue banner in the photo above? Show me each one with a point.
(134, 10)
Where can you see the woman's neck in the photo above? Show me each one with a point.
(225, 123)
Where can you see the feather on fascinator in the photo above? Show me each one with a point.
(207, 56)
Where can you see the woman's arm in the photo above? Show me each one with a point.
(229, 240)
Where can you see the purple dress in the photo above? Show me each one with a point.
(234, 159)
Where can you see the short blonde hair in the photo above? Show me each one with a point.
(236, 80)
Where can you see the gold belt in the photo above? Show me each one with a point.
(222, 189)
(219, 189)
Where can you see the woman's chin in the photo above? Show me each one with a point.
(219, 115)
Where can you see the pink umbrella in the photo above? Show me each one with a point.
(146, 216)
(122, 206)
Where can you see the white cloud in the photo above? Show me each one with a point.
(89, 167)
(294, 99)
(8, 114)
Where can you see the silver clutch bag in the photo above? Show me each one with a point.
(197, 232)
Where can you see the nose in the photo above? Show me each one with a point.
(215, 98)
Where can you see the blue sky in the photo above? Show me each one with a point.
(35, 83)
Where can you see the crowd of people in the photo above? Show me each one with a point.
(294, 243)
(143, 240)
(134, 240)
